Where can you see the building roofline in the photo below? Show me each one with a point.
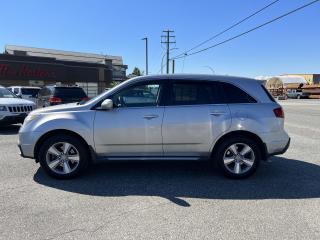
(61, 52)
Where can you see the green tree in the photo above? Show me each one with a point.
(136, 71)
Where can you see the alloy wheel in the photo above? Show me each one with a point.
(62, 158)
(238, 158)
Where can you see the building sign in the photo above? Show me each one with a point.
(27, 71)
(53, 71)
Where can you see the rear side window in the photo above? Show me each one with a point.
(67, 92)
(191, 93)
(233, 94)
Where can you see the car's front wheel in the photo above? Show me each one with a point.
(238, 157)
(63, 156)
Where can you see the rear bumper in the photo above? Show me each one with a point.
(283, 150)
(275, 142)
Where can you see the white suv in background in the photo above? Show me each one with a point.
(26, 92)
(12, 108)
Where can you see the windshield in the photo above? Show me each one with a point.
(102, 94)
(5, 93)
(30, 91)
(93, 99)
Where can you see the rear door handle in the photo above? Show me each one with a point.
(151, 116)
(217, 113)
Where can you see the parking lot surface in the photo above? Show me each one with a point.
(180, 200)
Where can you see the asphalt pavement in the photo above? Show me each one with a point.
(171, 200)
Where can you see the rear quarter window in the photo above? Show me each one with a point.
(268, 93)
(233, 94)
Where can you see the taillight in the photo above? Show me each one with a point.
(55, 100)
(279, 112)
(85, 99)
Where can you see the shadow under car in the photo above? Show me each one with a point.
(281, 179)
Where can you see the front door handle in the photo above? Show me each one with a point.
(217, 113)
(151, 116)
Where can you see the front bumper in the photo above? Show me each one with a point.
(12, 119)
(22, 154)
(26, 143)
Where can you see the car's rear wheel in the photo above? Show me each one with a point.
(63, 156)
(238, 157)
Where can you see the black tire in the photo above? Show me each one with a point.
(223, 147)
(81, 147)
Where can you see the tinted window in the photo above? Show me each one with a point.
(16, 90)
(233, 94)
(30, 91)
(69, 92)
(193, 93)
(138, 96)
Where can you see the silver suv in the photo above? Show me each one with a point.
(231, 121)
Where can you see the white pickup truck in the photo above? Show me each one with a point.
(12, 108)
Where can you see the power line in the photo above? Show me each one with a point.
(229, 28)
(251, 30)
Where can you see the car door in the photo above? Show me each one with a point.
(133, 127)
(194, 117)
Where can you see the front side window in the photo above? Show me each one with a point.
(138, 96)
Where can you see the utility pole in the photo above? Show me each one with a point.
(168, 41)
(146, 39)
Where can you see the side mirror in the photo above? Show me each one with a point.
(107, 104)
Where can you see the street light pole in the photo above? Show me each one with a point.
(146, 40)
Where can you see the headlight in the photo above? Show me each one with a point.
(3, 108)
(31, 117)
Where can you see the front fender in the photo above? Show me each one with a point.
(78, 122)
